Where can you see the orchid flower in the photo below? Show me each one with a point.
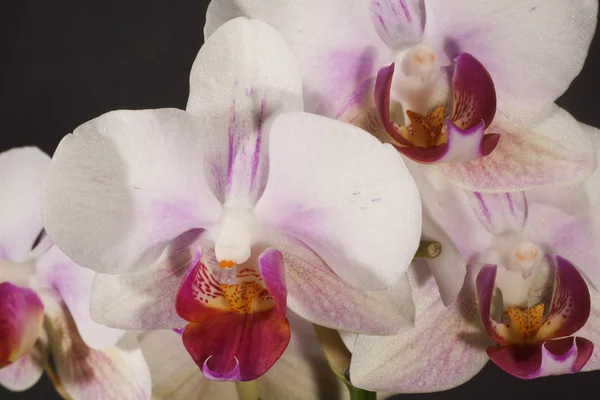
(219, 217)
(539, 250)
(410, 46)
(392, 67)
(43, 303)
(302, 372)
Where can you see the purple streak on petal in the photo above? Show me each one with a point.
(485, 284)
(179, 330)
(484, 210)
(3, 254)
(398, 23)
(510, 204)
(474, 93)
(233, 145)
(405, 9)
(233, 375)
(256, 156)
(272, 271)
(571, 303)
(383, 86)
(356, 99)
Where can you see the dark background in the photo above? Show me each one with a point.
(65, 62)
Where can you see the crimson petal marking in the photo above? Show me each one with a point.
(554, 357)
(21, 317)
(571, 303)
(200, 296)
(485, 284)
(250, 342)
(383, 86)
(272, 270)
(474, 93)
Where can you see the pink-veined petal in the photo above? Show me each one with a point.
(27, 370)
(317, 294)
(500, 213)
(117, 372)
(145, 299)
(237, 346)
(74, 285)
(444, 349)
(398, 22)
(240, 90)
(135, 181)
(21, 317)
(343, 193)
(331, 69)
(554, 357)
(528, 158)
(22, 172)
(486, 31)
(571, 303)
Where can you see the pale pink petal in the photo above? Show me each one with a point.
(22, 171)
(74, 285)
(145, 299)
(444, 349)
(119, 372)
(343, 193)
(522, 62)
(317, 294)
(555, 150)
(135, 181)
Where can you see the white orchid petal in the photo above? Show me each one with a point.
(135, 180)
(22, 172)
(346, 195)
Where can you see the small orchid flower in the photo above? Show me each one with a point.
(220, 217)
(302, 372)
(385, 66)
(531, 258)
(43, 303)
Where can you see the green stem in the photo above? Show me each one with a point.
(361, 394)
(247, 390)
(428, 249)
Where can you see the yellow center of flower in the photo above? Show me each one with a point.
(524, 323)
(426, 130)
(247, 297)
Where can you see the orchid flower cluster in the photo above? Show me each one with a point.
(380, 191)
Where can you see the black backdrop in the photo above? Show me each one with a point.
(63, 62)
